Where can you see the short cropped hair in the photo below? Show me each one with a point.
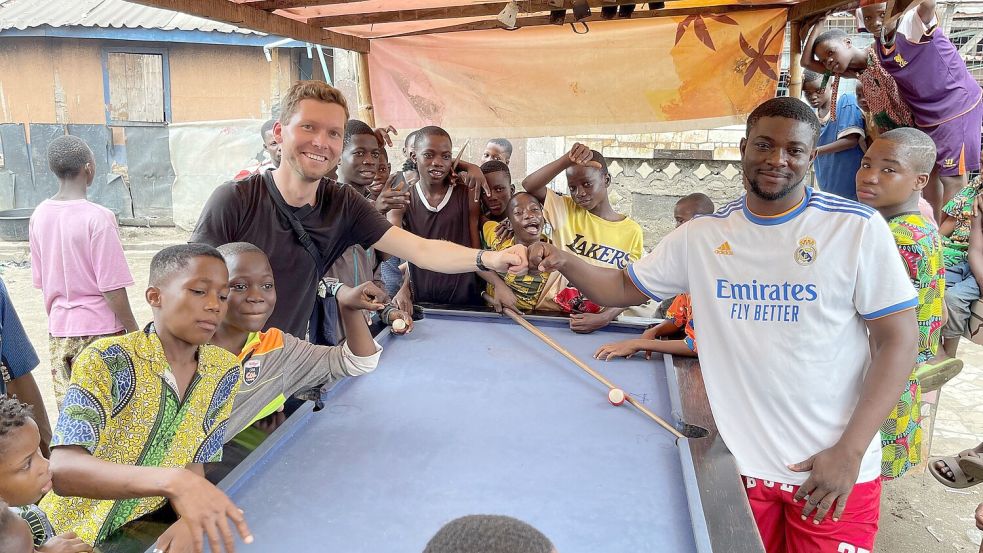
(428, 132)
(788, 108)
(516, 195)
(267, 127)
(353, 128)
(175, 258)
(702, 203)
(488, 534)
(830, 35)
(410, 139)
(495, 166)
(809, 76)
(504, 143)
(309, 90)
(13, 414)
(67, 156)
(921, 148)
(233, 249)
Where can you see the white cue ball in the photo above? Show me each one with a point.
(616, 396)
(399, 324)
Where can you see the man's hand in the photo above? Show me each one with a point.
(504, 298)
(389, 198)
(206, 510)
(382, 135)
(365, 296)
(834, 474)
(65, 543)
(398, 314)
(585, 323)
(404, 300)
(510, 260)
(545, 257)
(474, 179)
(625, 348)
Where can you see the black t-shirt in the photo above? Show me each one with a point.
(244, 212)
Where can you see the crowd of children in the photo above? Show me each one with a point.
(864, 294)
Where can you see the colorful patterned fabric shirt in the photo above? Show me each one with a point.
(681, 313)
(122, 406)
(960, 207)
(921, 252)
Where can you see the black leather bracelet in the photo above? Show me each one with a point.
(477, 261)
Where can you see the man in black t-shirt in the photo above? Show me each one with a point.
(310, 132)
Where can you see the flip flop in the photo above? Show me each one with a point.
(932, 377)
(960, 479)
(971, 465)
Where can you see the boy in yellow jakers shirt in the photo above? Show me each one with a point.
(584, 222)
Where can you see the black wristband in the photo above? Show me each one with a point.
(477, 261)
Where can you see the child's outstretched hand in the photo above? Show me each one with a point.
(382, 135)
(390, 198)
(365, 296)
(503, 231)
(65, 543)
(625, 348)
(504, 299)
(206, 510)
(544, 257)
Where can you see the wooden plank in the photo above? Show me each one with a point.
(118, 106)
(794, 69)
(242, 15)
(270, 5)
(815, 7)
(448, 12)
(539, 20)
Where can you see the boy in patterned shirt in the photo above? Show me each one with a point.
(892, 174)
(145, 410)
(526, 292)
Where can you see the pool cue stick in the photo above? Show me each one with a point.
(563, 351)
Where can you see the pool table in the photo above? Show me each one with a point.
(470, 413)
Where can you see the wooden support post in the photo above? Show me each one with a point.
(366, 111)
(794, 69)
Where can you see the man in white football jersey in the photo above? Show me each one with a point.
(788, 282)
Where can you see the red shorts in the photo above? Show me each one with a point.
(779, 519)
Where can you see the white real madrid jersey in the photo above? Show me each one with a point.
(779, 305)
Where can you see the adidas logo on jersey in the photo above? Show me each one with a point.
(723, 249)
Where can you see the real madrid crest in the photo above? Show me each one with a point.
(806, 253)
(250, 371)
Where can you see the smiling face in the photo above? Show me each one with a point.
(24, 473)
(526, 218)
(311, 141)
(817, 97)
(886, 180)
(190, 304)
(776, 156)
(252, 292)
(360, 160)
(835, 55)
(433, 158)
(501, 191)
(588, 186)
(873, 16)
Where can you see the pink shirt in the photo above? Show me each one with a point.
(76, 255)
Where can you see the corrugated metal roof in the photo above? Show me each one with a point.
(28, 14)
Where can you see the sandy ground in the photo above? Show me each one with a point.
(917, 514)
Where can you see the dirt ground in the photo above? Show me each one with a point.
(917, 514)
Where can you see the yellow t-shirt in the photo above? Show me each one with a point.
(613, 244)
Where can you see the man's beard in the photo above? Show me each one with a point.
(772, 196)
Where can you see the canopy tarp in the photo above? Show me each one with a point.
(628, 76)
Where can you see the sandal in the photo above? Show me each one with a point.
(932, 377)
(966, 467)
